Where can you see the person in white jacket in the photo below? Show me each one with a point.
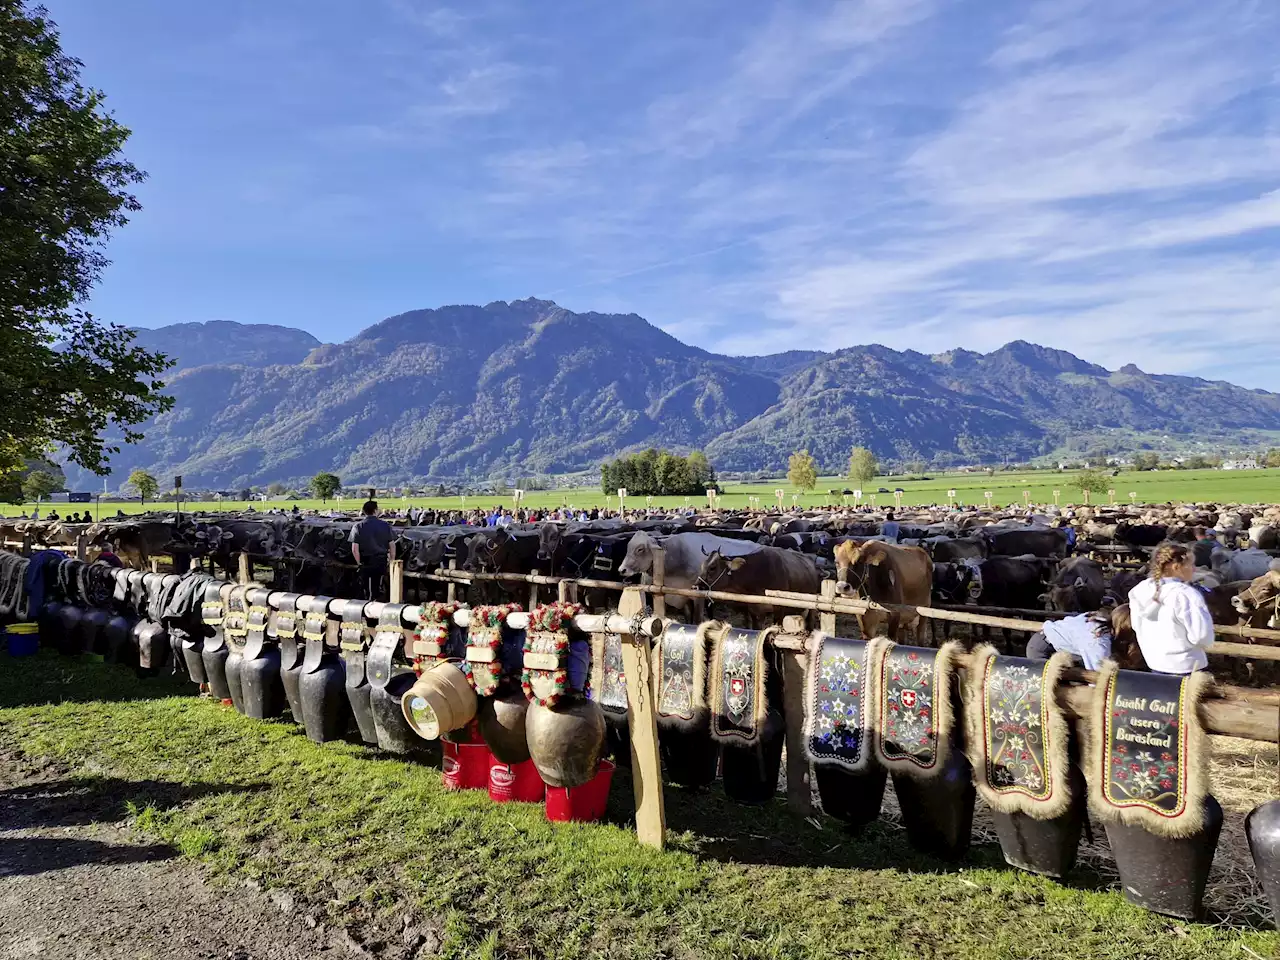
(1170, 616)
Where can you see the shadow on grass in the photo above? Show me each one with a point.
(29, 856)
(76, 801)
(52, 679)
(771, 835)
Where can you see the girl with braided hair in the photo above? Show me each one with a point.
(1170, 617)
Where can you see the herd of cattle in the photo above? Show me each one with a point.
(984, 558)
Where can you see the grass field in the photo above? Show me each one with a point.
(1243, 486)
(364, 838)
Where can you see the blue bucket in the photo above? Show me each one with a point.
(23, 639)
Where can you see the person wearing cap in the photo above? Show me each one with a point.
(371, 539)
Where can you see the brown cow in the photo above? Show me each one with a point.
(1260, 600)
(769, 568)
(885, 573)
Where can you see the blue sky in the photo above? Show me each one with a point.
(1102, 177)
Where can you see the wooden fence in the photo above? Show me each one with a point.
(1226, 710)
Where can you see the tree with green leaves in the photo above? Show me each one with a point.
(672, 475)
(1146, 461)
(657, 473)
(863, 466)
(802, 471)
(276, 489)
(1271, 459)
(66, 376)
(39, 484)
(1092, 481)
(701, 473)
(144, 483)
(325, 485)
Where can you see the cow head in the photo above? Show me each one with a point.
(716, 567)
(548, 540)
(639, 558)
(852, 560)
(1261, 591)
(951, 581)
(1065, 597)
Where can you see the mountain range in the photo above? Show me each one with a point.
(529, 387)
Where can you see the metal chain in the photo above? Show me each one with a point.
(642, 681)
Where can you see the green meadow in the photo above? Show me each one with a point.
(1177, 486)
(362, 838)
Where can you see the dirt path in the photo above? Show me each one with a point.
(76, 883)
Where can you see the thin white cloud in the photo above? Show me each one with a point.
(1102, 177)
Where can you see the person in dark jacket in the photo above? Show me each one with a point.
(371, 539)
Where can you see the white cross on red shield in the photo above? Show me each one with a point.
(909, 699)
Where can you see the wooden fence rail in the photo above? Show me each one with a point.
(1226, 710)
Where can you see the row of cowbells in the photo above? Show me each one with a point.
(566, 742)
(73, 631)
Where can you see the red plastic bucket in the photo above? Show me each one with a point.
(517, 782)
(585, 803)
(465, 765)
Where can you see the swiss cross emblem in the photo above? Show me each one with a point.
(908, 698)
(737, 686)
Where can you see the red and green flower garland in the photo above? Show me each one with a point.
(547, 636)
(484, 633)
(427, 642)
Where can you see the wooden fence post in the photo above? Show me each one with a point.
(395, 592)
(799, 774)
(827, 621)
(82, 547)
(451, 589)
(533, 591)
(246, 569)
(646, 768)
(659, 578)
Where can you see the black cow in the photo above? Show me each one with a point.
(1078, 586)
(1015, 582)
(1142, 534)
(1023, 541)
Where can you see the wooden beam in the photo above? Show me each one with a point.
(827, 619)
(245, 572)
(395, 576)
(646, 764)
(799, 786)
(659, 580)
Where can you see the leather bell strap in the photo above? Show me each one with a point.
(235, 622)
(212, 609)
(380, 665)
(352, 631)
(213, 614)
(256, 620)
(285, 624)
(315, 616)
